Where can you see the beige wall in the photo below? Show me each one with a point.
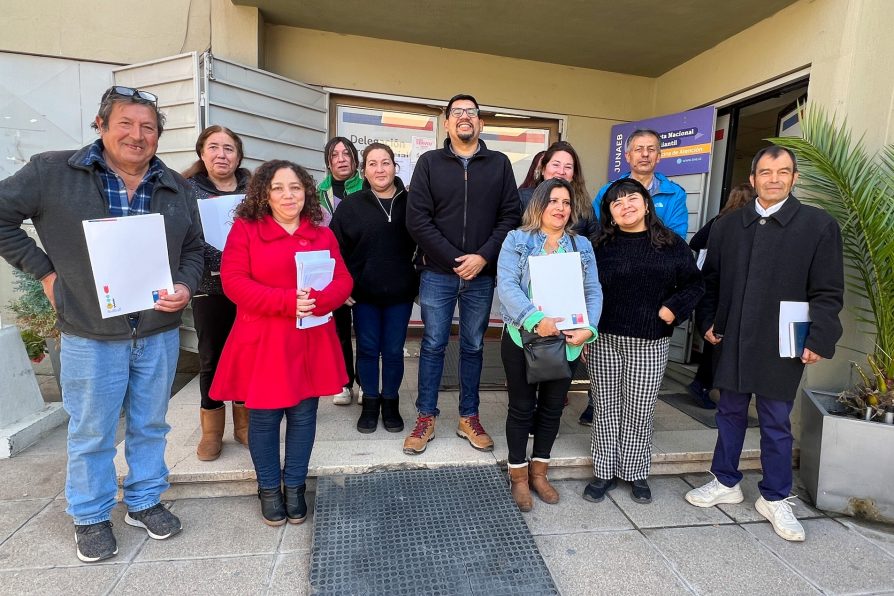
(122, 31)
(593, 100)
(237, 33)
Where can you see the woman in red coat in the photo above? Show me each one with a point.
(275, 367)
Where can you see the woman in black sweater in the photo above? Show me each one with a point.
(650, 283)
(371, 230)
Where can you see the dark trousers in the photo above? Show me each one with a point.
(381, 332)
(342, 316)
(214, 315)
(263, 443)
(776, 442)
(546, 399)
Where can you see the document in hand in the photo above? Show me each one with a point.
(790, 315)
(216, 214)
(557, 288)
(315, 270)
(134, 283)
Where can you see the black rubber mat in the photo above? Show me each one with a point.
(686, 404)
(442, 531)
(492, 374)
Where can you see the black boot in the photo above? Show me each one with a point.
(273, 509)
(391, 419)
(369, 417)
(296, 506)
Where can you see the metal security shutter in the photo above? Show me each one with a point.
(276, 117)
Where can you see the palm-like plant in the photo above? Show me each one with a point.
(857, 189)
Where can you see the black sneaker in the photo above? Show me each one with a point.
(95, 542)
(586, 417)
(595, 491)
(640, 491)
(157, 521)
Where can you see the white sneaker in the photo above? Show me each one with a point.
(343, 398)
(779, 514)
(714, 493)
(360, 396)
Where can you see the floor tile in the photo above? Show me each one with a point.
(726, 560)
(668, 507)
(745, 512)
(15, 513)
(610, 563)
(299, 537)
(290, 575)
(83, 581)
(573, 514)
(240, 575)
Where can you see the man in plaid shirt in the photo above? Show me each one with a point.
(124, 362)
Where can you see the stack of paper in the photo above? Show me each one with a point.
(133, 284)
(794, 323)
(557, 288)
(216, 214)
(315, 270)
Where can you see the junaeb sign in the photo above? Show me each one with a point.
(686, 140)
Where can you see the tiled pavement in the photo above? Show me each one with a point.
(614, 547)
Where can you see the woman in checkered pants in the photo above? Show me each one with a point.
(650, 283)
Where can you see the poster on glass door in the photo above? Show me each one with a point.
(408, 135)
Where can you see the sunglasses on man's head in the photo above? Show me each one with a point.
(122, 91)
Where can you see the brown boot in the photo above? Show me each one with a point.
(539, 483)
(518, 478)
(240, 423)
(212, 433)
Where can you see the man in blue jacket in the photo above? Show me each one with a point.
(120, 362)
(463, 201)
(643, 152)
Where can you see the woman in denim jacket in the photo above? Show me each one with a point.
(546, 229)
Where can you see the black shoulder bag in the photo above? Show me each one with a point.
(545, 357)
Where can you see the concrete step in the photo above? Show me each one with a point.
(680, 444)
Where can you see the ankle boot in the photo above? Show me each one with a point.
(518, 478)
(240, 423)
(369, 416)
(273, 509)
(211, 443)
(391, 419)
(539, 483)
(296, 506)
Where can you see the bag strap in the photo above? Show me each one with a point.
(573, 243)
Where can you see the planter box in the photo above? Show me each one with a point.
(846, 463)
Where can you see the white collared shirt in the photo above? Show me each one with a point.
(768, 212)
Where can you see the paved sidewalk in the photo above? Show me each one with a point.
(614, 547)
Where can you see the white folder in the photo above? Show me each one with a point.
(315, 270)
(216, 214)
(557, 288)
(129, 257)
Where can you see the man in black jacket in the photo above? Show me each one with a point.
(463, 201)
(126, 361)
(773, 249)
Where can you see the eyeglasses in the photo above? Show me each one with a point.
(130, 92)
(458, 112)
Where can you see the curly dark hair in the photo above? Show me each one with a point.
(256, 204)
(659, 234)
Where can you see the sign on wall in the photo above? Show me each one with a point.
(685, 143)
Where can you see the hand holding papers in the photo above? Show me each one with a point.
(794, 323)
(216, 214)
(557, 288)
(315, 270)
(134, 283)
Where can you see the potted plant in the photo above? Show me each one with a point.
(36, 320)
(845, 442)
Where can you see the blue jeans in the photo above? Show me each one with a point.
(263, 443)
(98, 379)
(381, 331)
(438, 294)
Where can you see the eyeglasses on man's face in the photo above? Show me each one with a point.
(123, 91)
(458, 112)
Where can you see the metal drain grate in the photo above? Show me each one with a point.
(442, 531)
